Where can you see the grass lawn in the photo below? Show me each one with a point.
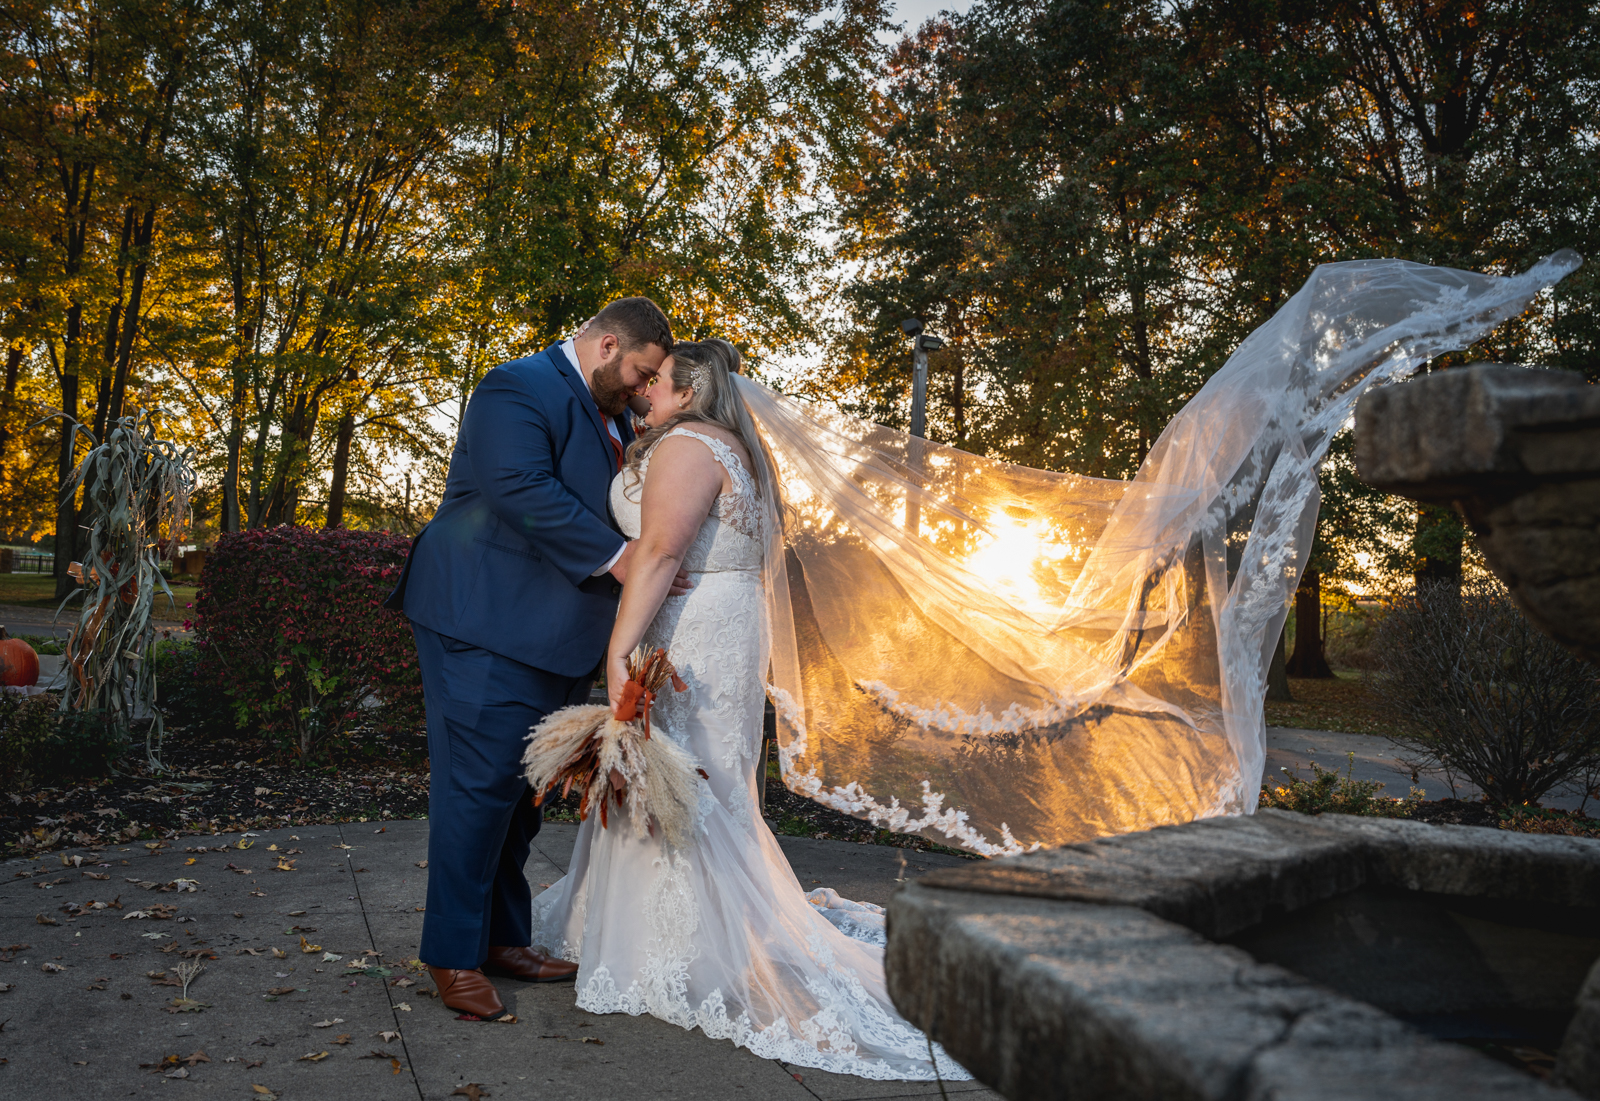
(1340, 704)
(34, 590)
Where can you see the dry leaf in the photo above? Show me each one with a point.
(297, 913)
(197, 1057)
(402, 1007)
(43, 919)
(422, 863)
(308, 948)
(403, 982)
(312, 1057)
(181, 1072)
(279, 991)
(265, 1093)
(98, 875)
(342, 1038)
(376, 1054)
(52, 968)
(471, 1091)
(247, 952)
(279, 954)
(329, 1024)
(284, 864)
(331, 957)
(388, 1037)
(395, 1063)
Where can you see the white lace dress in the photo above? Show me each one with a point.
(720, 936)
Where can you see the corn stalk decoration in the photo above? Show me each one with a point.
(136, 490)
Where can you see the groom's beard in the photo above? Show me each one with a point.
(609, 393)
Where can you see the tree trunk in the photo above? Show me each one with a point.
(1308, 659)
(341, 469)
(1278, 676)
(66, 504)
(14, 356)
(1437, 547)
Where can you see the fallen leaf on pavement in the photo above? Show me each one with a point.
(297, 913)
(181, 1072)
(98, 875)
(284, 864)
(197, 1057)
(52, 968)
(403, 982)
(471, 1091)
(342, 1038)
(376, 1054)
(279, 991)
(331, 957)
(279, 954)
(395, 1063)
(312, 1057)
(265, 1093)
(247, 952)
(43, 919)
(422, 863)
(329, 1024)
(4, 986)
(402, 1007)
(387, 1037)
(308, 948)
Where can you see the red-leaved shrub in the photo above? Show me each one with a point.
(291, 627)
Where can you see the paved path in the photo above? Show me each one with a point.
(19, 619)
(85, 1030)
(1375, 760)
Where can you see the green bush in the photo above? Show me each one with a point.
(1329, 792)
(26, 723)
(186, 696)
(83, 743)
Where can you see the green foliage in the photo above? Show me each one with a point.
(38, 741)
(1328, 792)
(26, 723)
(316, 226)
(1095, 202)
(188, 699)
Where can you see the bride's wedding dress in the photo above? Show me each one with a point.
(720, 936)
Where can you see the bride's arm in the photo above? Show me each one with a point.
(679, 488)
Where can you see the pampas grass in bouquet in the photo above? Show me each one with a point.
(612, 760)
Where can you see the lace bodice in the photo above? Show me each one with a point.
(730, 538)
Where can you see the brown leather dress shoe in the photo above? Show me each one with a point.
(529, 965)
(468, 992)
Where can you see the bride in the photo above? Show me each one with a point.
(720, 935)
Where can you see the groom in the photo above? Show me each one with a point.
(511, 590)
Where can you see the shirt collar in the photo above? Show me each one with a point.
(570, 346)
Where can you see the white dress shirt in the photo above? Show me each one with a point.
(570, 347)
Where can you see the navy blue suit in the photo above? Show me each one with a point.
(510, 626)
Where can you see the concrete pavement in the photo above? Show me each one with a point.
(1374, 760)
(98, 1025)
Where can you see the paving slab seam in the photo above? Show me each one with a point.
(388, 991)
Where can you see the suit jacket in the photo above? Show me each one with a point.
(506, 562)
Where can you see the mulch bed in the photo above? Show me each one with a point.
(226, 785)
(215, 786)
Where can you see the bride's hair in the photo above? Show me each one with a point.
(708, 366)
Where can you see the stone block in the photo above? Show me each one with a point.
(1578, 1063)
(1044, 998)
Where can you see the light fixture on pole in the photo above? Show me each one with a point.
(922, 344)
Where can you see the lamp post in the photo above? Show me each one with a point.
(922, 344)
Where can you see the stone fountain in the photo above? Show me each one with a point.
(1287, 957)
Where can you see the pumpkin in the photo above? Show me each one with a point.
(19, 665)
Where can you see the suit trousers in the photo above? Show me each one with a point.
(481, 817)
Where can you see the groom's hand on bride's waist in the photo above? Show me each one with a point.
(619, 569)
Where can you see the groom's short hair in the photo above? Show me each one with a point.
(635, 322)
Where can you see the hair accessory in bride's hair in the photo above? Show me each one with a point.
(699, 376)
(612, 759)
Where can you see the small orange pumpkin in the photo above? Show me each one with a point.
(19, 665)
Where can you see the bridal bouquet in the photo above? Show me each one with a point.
(612, 759)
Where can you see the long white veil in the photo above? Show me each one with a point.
(999, 657)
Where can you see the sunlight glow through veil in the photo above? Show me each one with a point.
(999, 657)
